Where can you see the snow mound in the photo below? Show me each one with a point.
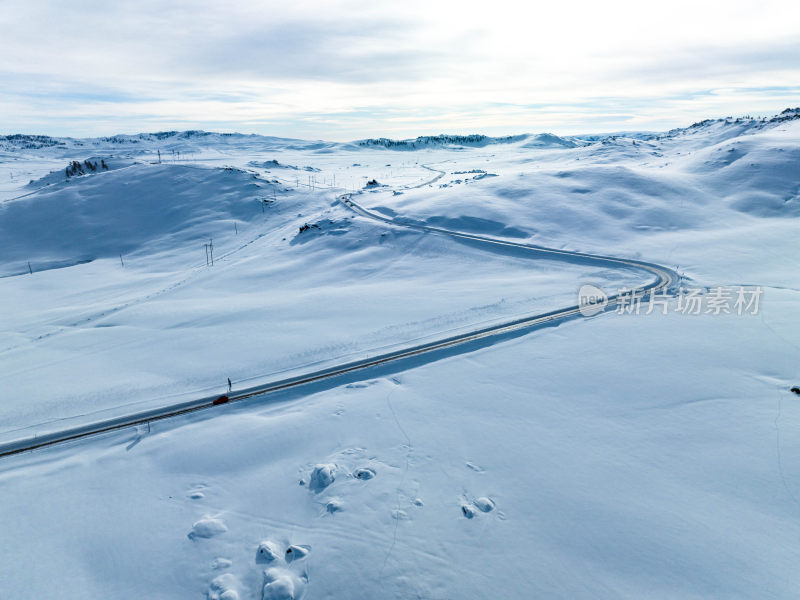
(280, 584)
(207, 528)
(224, 587)
(484, 504)
(321, 477)
(364, 473)
(334, 505)
(295, 552)
(267, 552)
(549, 140)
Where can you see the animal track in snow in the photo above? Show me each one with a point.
(482, 504)
(196, 492)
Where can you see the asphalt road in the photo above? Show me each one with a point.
(664, 279)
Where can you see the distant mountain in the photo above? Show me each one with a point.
(426, 141)
(164, 141)
(194, 140)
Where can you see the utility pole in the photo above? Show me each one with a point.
(236, 228)
(206, 247)
(211, 249)
(159, 157)
(120, 260)
(29, 268)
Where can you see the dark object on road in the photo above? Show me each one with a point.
(796, 390)
(373, 182)
(221, 400)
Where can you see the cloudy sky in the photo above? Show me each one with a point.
(345, 70)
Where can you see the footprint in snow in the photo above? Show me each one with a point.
(195, 491)
(482, 504)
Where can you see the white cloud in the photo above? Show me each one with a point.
(348, 69)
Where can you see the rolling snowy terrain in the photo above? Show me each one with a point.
(617, 456)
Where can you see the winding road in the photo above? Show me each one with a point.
(664, 279)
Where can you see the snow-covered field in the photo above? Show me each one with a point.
(620, 456)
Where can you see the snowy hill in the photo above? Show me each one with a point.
(141, 208)
(620, 455)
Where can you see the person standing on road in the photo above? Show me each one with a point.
(229, 385)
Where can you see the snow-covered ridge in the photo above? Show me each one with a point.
(275, 164)
(104, 213)
(732, 125)
(165, 141)
(175, 142)
(442, 140)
